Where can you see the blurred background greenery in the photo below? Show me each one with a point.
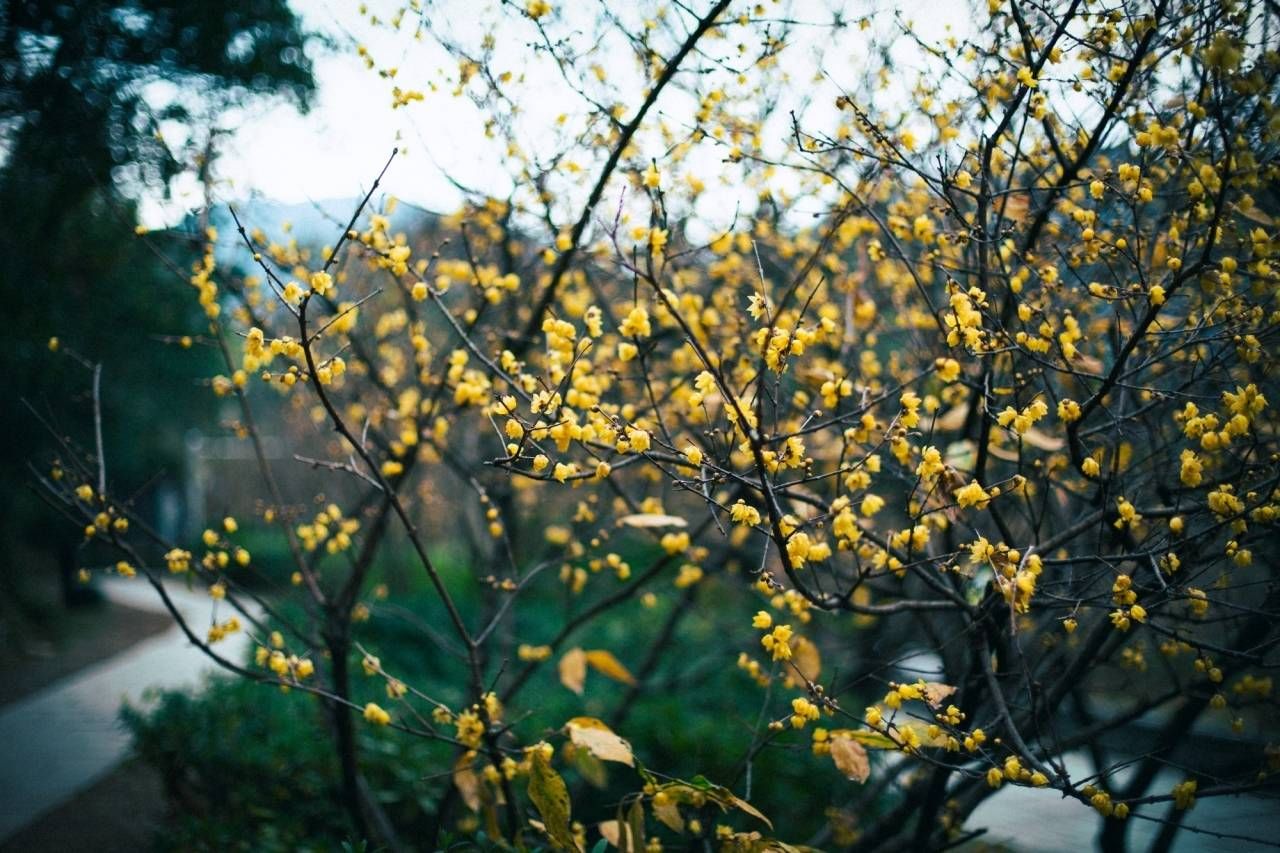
(85, 89)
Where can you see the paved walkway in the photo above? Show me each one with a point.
(1043, 821)
(62, 739)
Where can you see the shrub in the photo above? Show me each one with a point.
(964, 418)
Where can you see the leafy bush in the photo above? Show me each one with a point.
(809, 522)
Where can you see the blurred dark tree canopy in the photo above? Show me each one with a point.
(85, 91)
(72, 105)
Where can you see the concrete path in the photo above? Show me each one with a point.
(1042, 820)
(63, 738)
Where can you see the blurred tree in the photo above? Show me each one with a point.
(86, 90)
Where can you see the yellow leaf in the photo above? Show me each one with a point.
(669, 813)
(1014, 206)
(743, 805)
(850, 758)
(550, 797)
(875, 740)
(598, 739)
(1257, 215)
(573, 670)
(1000, 451)
(1089, 364)
(467, 783)
(953, 419)
(1043, 441)
(652, 519)
(611, 831)
(806, 663)
(608, 665)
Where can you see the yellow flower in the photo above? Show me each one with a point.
(1184, 794)
(637, 323)
(802, 712)
(741, 513)
(374, 714)
(652, 178)
(321, 282)
(778, 642)
(972, 495)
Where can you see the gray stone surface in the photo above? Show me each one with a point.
(63, 738)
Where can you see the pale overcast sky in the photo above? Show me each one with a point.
(335, 150)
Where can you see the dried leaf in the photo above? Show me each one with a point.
(1257, 215)
(611, 831)
(743, 805)
(699, 789)
(652, 519)
(573, 670)
(467, 783)
(1014, 206)
(608, 665)
(935, 694)
(1089, 364)
(598, 739)
(1043, 441)
(806, 663)
(635, 827)
(952, 420)
(1001, 451)
(550, 797)
(850, 758)
(669, 813)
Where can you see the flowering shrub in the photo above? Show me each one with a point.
(974, 372)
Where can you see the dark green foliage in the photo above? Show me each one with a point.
(72, 106)
(79, 115)
(250, 744)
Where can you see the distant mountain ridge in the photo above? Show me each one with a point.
(317, 223)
